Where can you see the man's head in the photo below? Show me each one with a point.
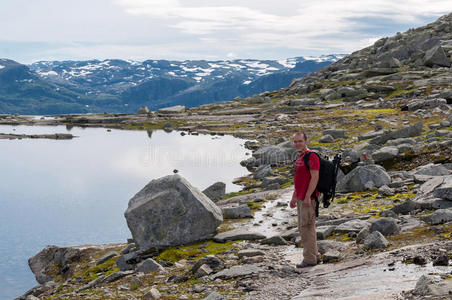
(300, 141)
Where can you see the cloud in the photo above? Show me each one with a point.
(303, 22)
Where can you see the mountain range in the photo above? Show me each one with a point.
(56, 87)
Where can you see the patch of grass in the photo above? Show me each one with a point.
(240, 193)
(342, 237)
(399, 92)
(105, 268)
(194, 251)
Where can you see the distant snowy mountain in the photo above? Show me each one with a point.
(124, 85)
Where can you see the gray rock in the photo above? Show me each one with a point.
(441, 260)
(386, 191)
(172, 109)
(429, 186)
(326, 139)
(401, 141)
(385, 153)
(444, 190)
(212, 261)
(106, 257)
(388, 213)
(129, 248)
(375, 240)
(203, 270)
(410, 131)
(274, 240)
(127, 261)
(238, 212)
(424, 104)
(352, 226)
(148, 266)
(436, 57)
(405, 208)
(267, 181)
(250, 253)
(335, 133)
(386, 226)
(249, 162)
(403, 148)
(236, 271)
(331, 256)
(117, 275)
(431, 170)
(143, 110)
(214, 296)
(324, 231)
(152, 294)
(362, 235)
(263, 171)
(434, 286)
(438, 217)
(362, 178)
(216, 191)
(31, 297)
(161, 214)
(238, 234)
(290, 234)
(328, 245)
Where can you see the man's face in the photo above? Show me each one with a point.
(300, 143)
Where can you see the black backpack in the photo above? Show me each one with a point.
(327, 176)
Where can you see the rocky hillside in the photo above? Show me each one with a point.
(386, 109)
(53, 87)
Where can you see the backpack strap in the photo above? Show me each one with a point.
(306, 159)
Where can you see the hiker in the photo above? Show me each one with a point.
(303, 197)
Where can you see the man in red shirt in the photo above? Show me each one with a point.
(305, 182)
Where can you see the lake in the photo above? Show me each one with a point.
(74, 192)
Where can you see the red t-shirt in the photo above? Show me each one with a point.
(302, 175)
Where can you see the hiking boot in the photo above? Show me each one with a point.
(304, 264)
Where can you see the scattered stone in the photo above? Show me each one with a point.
(352, 226)
(388, 213)
(324, 231)
(238, 212)
(419, 260)
(444, 190)
(326, 139)
(148, 266)
(212, 261)
(106, 257)
(331, 256)
(238, 234)
(363, 178)
(385, 191)
(250, 253)
(432, 170)
(362, 235)
(177, 279)
(214, 296)
(274, 240)
(152, 294)
(127, 261)
(442, 260)
(161, 214)
(436, 57)
(438, 217)
(385, 153)
(127, 249)
(375, 240)
(263, 171)
(430, 285)
(202, 271)
(236, 271)
(335, 133)
(386, 226)
(405, 208)
(216, 191)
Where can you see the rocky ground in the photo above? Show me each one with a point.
(385, 109)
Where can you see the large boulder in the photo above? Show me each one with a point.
(169, 211)
(436, 57)
(274, 154)
(385, 153)
(363, 178)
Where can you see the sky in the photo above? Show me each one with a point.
(36, 30)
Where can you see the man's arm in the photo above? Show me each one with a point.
(311, 187)
(293, 201)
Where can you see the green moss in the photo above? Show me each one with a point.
(106, 268)
(240, 193)
(286, 185)
(194, 251)
(399, 92)
(343, 237)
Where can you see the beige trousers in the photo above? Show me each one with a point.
(306, 226)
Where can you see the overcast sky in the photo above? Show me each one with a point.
(33, 30)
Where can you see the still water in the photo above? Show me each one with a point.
(73, 192)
